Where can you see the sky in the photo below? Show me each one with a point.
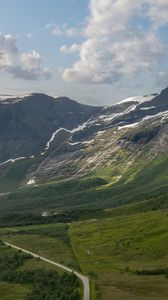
(93, 51)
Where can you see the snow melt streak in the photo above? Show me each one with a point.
(12, 160)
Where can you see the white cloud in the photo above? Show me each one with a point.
(110, 16)
(57, 31)
(158, 12)
(139, 52)
(95, 63)
(8, 50)
(73, 31)
(31, 59)
(21, 72)
(73, 49)
(113, 49)
(26, 66)
(31, 67)
(63, 30)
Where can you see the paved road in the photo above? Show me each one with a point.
(84, 279)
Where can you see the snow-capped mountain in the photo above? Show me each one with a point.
(64, 138)
(27, 123)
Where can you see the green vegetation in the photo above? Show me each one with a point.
(34, 284)
(69, 200)
(111, 225)
(50, 241)
(15, 174)
(118, 253)
(13, 290)
(50, 196)
(123, 250)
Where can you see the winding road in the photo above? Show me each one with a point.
(83, 279)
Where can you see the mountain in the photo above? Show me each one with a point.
(57, 153)
(27, 123)
(135, 127)
(77, 137)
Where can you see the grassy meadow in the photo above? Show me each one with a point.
(13, 291)
(50, 240)
(113, 230)
(125, 255)
(23, 276)
(113, 250)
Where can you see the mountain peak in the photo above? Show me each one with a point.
(164, 92)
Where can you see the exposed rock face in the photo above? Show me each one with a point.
(82, 139)
(28, 123)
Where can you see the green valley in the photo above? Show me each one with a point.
(92, 198)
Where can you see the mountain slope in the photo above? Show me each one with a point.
(107, 143)
(27, 124)
(122, 147)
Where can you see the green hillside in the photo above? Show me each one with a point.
(143, 181)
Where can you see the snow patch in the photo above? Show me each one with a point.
(100, 132)
(82, 126)
(162, 113)
(130, 99)
(45, 214)
(128, 126)
(15, 98)
(73, 144)
(31, 181)
(88, 142)
(53, 137)
(79, 128)
(11, 160)
(108, 118)
(133, 107)
(137, 99)
(146, 108)
(85, 142)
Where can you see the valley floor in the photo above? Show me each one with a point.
(126, 257)
(115, 251)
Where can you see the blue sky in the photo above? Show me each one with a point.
(94, 51)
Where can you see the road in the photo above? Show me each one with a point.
(83, 279)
